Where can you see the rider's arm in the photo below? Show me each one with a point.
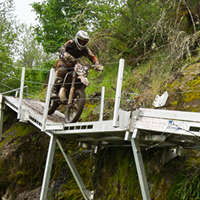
(66, 46)
(91, 56)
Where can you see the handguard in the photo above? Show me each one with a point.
(98, 68)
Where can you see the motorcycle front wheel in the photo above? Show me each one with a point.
(73, 111)
(53, 105)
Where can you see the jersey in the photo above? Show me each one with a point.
(72, 49)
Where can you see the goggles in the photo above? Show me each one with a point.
(82, 42)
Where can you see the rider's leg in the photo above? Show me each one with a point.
(56, 87)
(61, 71)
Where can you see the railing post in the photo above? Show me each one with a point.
(118, 92)
(2, 107)
(102, 104)
(21, 93)
(50, 84)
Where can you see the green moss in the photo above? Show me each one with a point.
(171, 193)
(123, 181)
(22, 129)
(23, 157)
(194, 93)
(175, 103)
(5, 140)
(70, 191)
(21, 178)
(2, 171)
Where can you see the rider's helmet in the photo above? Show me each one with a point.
(81, 39)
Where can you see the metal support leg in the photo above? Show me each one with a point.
(88, 195)
(140, 166)
(2, 107)
(47, 173)
(118, 92)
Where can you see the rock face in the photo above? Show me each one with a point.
(184, 89)
(30, 195)
(22, 159)
(23, 153)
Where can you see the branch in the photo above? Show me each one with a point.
(191, 18)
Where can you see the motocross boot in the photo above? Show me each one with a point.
(56, 87)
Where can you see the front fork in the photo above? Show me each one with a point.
(72, 89)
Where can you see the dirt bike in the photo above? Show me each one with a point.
(72, 93)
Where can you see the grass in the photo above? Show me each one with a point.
(107, 79)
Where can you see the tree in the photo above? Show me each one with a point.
(122, 28)
(61, 19)
(8, 36)
(57, 19)
(146, 25)
(30, 54)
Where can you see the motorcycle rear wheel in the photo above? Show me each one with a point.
(73, 111)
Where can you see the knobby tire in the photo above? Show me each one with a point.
(53, 105)
(79, 100)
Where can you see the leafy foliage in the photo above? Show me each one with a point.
(8, 36)
(60, 20)
(152, 36)
(30, 55)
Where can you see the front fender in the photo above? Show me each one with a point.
(84, 80)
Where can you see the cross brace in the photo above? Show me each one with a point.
(88, 195)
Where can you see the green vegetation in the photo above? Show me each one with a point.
(22, 158)
(160, 44)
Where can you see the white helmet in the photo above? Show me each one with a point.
(81, 39)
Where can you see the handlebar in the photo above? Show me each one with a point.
(70, 58)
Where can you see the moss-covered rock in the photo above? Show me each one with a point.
(184, 89)
(23, 154)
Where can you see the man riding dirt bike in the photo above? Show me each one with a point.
(69, 53)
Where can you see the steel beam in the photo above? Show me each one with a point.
(16, 90)
(169, 153)
(50, 84)
(102, 104)
(48, 167)
(2, 107)
(118, 92)
(88, 195)
(140, 165)
(21, 93)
